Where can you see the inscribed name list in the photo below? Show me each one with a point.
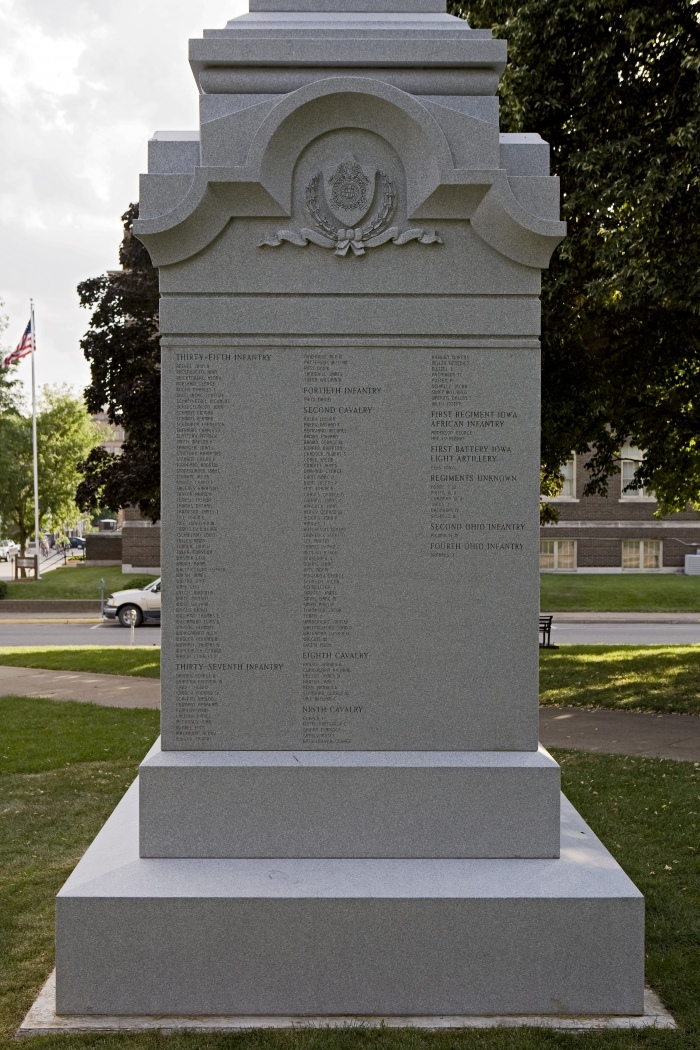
(354, 547)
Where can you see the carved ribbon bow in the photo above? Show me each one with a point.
(355, 240)
(349, 239)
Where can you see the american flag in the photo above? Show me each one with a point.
(23, 347)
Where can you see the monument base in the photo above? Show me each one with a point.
(317, 938)
(368, 804)
(42, 1019)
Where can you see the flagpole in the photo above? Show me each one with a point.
(36, 459)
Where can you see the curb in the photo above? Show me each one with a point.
(623, 617)
(54, 618)
(59, 605)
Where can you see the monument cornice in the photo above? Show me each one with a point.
(434, 51)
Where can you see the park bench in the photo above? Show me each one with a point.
(546, 633)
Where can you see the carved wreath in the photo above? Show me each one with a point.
(357, 239)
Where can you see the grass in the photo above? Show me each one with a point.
(140, 661)
(559, 593)
(64, 766)
(76, 581)
(634, 592)
(622, 677)
(42, 735)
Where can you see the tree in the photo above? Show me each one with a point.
(613, 86)
(65, 436)
(9, 384)
(122, 346)
(94, 493)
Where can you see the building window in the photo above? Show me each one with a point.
(568, 489)
(642, 555)
(557, 555)
(631, 458)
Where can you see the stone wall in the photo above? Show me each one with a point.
(141, 547)
(103, 548)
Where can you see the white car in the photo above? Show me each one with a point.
(8, 549)
(144, 602)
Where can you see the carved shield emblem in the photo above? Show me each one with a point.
(349, 190)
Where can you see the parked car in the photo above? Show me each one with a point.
(8, 549)
(145, 602)
(77, 542)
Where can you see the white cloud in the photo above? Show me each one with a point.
(83, 85)
(38, 63)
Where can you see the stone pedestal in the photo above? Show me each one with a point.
(313, 937)
(349, 804)
(348, 811)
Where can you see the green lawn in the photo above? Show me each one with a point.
(142, 661)
(634, 592)
(64, 766)
(623, 677)
(43, 735)
(76, 581)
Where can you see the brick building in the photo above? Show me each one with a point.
(113, 435)
(617, 532)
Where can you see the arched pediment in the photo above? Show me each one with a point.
(460, 166)
(350, 102)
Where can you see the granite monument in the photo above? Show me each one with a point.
(348, 812)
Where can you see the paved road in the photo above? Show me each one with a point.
(625, 633)
(13, 633)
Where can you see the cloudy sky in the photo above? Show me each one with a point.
(83, 85)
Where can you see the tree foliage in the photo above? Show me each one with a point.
(65, 436)
(10, 397)
(122, 346)
(613, 86)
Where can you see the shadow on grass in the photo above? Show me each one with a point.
(622, 677)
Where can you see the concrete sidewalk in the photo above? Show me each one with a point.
(107, 690)
(622, 732)
(611, 732)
